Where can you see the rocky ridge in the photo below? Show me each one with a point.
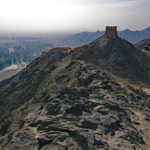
(65, 101)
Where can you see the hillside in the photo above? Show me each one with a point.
(143, 43)
(67, 100)
(117, 56)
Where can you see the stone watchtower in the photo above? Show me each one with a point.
(111, 32)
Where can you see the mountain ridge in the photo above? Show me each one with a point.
(81, 38)
(64, 100)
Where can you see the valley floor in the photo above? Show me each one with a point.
(11, 71)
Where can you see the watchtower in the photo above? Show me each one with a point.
(43, 54)
(146, 48)
(111, 32)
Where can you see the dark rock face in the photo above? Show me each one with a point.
(65, 102)
(143, 43)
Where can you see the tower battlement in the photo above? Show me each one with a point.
(111, 32)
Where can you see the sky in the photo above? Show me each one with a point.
(73, 15)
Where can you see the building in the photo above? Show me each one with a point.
(146, 48)
(111, 32)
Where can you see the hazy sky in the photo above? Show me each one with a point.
(73, 15)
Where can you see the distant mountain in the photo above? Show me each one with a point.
(78, 100)
(79, 38)
(135, 36)
(86, 37)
